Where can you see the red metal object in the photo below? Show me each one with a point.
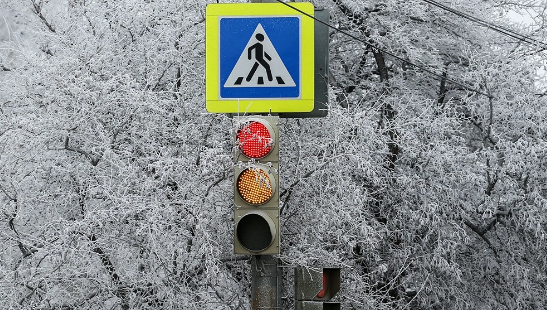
(325, 288)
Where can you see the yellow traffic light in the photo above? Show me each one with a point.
(255, 186)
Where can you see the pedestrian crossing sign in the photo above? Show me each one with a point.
(259, 58)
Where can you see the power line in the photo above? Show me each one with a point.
(497, 28)
(422, 68)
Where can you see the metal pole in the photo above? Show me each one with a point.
(266, 279)
(265, 286)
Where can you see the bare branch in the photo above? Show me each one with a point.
(481, 231)
(37, 9)
(160, 77)
(10, 197)
(288, 190)
(94, 161)
(223, 177)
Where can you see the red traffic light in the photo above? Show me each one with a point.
(255, 139)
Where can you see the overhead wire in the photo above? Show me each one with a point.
(422, 68)
(494, 27)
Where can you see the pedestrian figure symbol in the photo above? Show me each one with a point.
(259, 57)
(259, 65)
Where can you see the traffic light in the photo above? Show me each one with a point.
(313, 288)
(256, 185)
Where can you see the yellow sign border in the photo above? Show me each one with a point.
(215, 105)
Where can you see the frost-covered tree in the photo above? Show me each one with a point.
(426, 183)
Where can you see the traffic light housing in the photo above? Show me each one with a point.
(314, 287)
(256, 185)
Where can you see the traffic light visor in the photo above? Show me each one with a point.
(255, 186)
(255, 139)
